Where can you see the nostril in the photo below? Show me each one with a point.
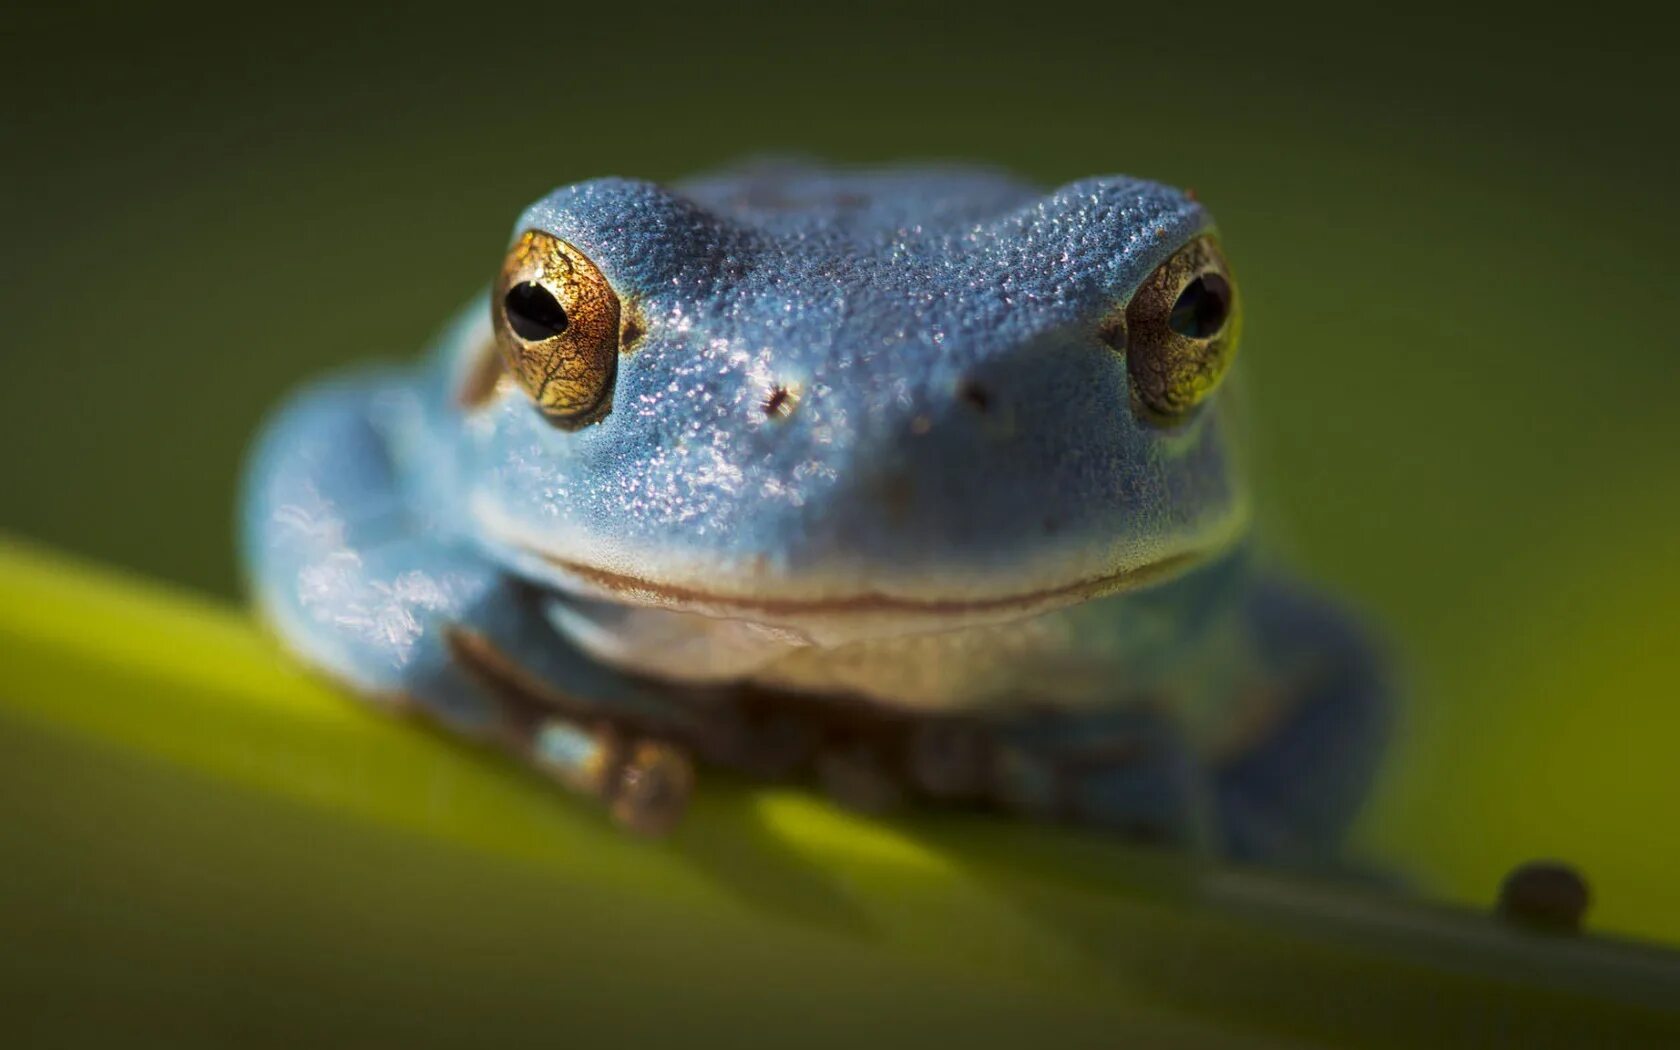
(1113, 333)
(975, 396)
(781, 402)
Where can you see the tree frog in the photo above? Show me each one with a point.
(917, 484)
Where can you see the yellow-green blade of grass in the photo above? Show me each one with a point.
(202, 845)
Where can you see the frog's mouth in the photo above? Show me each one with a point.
(840, 617)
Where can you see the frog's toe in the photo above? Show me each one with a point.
(651, 787)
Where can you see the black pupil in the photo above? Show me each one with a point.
(533, 313)
(1201, 308)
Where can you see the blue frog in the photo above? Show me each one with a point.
(915, 483)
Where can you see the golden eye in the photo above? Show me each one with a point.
(556, 320)
(1180, 330)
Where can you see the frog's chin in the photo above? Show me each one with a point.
(841, 616)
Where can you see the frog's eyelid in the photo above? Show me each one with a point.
(782, 400)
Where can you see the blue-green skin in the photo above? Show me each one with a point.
(886, 510)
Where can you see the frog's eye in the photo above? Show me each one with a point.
(556, 320)
(1180, 330)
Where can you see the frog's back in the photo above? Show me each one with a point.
(793, 197)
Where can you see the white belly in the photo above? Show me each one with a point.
(1074, 657)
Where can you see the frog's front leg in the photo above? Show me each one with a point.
(1292, 772)
(369, 590)
(1289, 789)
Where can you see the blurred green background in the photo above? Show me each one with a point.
(1453, 235)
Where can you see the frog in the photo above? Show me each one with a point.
(919, 485)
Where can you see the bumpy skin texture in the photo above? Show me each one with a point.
(877, 296)
(868, 456)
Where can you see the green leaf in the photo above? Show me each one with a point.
(202, 845)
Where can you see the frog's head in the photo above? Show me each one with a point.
(855, 403)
